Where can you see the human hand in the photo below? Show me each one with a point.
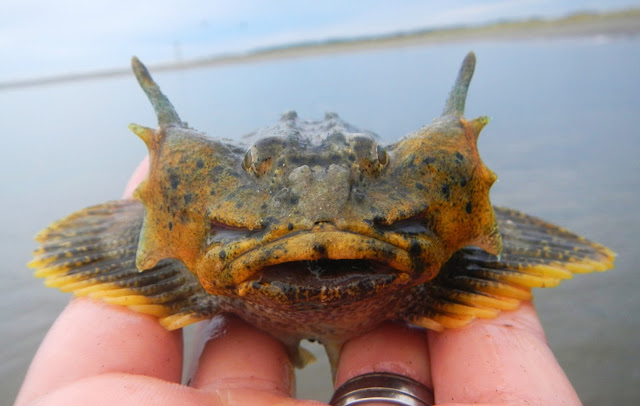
(501, 361)
(99, 354)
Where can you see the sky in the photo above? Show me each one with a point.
(41, 37)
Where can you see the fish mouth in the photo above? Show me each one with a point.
(318, 266)
(321, 281)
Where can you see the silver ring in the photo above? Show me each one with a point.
(382, 387)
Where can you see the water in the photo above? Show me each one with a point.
(563, 140)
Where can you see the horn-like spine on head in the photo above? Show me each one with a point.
(153, 245)
(458, 96)
(165, 112)
(489, 238)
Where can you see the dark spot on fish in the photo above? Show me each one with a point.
(294, 199)
(419, 265)
(419, 186)
(290, 226)
(428, 160)
(459, 157)
(200, 164)
(174, 180)
(222, 254)
(463, 182)
(320, 249)
(445, 191)
(266, 221)
(170, 225)
(468, 208)
(411, 161)
(187, 198)
(415, 249)
(379, 220)
(387, 254)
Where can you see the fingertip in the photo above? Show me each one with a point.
(505, 359)
(241, 356)
(91, 338)
(390, 347)
(138, 176)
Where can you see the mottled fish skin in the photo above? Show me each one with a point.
(314, 231)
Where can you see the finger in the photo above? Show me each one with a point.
(125, 390)
(138, 175)
(136, 390)
(91, 338)
(391, 347)
(502, 360)
(245, 365)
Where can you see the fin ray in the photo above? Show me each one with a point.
(92, 253)
(535, 254)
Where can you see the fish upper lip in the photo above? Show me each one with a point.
(320, 242)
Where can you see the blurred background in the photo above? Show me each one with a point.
(560, 80)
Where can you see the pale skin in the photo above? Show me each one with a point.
(101, 354)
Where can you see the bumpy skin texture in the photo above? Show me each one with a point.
(315, 231)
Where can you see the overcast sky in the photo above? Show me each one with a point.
(41, 37)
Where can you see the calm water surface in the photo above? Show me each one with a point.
(563, 139)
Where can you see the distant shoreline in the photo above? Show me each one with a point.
(624, 23)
